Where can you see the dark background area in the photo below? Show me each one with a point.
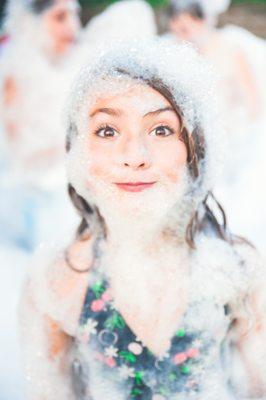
(251, 14)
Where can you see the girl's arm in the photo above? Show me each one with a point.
(50, 308)
(45, 348)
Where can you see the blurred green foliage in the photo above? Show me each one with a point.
(101, 3)
(249, 2)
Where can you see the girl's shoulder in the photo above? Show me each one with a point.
(57, 281)
(231, 270)
(238, 252)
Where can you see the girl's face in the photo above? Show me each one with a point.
(62, 24)
(186, 27)
(133, 142)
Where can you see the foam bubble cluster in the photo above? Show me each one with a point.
(178, 66)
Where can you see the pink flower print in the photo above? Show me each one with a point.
(110, 361)
(179, 358)
(106, 296)
(97, 305)
(192, 353)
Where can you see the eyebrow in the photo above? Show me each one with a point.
(117, 113)
(160, 110)
(110, 111)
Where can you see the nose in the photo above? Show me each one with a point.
(135, 155)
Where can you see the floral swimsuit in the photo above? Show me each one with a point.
(106, 344)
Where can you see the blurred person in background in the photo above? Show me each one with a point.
(35, 77)
(193, 21)
(40, 37)
(242, 93)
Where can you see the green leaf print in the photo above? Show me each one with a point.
(136, 392)
(128, 356)
(138, 378)
(181, 332)
(172, 377)
(114, 321)
(98, 289)
(185, 369)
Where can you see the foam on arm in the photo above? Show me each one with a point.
(45, 347)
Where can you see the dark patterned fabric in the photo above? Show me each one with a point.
(119, 351)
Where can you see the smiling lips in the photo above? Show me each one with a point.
(135, 186)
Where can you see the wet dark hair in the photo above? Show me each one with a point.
(194, 9)
(39, 6)
(212, 219)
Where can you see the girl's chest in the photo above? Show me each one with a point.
(152, 297)
(152, 310)
(118, 350)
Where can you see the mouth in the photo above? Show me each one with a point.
(134, 186)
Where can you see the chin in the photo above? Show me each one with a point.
(149, 205)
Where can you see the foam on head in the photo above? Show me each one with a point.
(188, 78)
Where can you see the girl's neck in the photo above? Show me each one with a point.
(143, 236)
(150, 256)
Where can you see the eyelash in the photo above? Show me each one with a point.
(165, 127)
(105, 126)
(102, 127)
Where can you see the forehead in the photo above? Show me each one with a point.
(185, 17)
(65, 5)
(130, 96)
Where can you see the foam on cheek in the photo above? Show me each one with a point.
(80, 161)
(150, 207)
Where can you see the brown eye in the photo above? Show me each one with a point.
(60, 17)
(162, 131)
(106, 132)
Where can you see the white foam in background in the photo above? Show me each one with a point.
(12, 270)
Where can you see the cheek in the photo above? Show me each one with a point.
(171, 160)
(99, 160)
(56, 29)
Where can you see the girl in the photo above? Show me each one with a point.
(154, 299)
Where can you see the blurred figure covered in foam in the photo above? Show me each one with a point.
(242, 95)
(35, 76)
(193, 21)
